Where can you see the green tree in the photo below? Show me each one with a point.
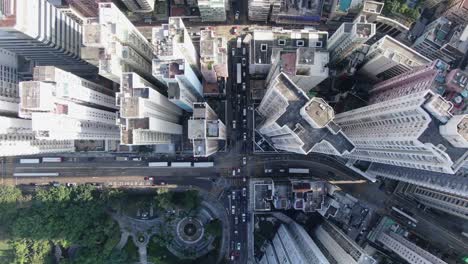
(9, 197)
(214, 228)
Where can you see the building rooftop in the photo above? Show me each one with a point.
(401, 52)
(266, 42)
(292, 118)
(317, 112)
(263, 194)
(300, 11)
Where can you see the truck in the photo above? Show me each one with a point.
(157, 164)
(51, 159)
(239, 72)
(181, 164)
(29, 161)
(203, 164)
(239, 42)
(121, 158)
(35, 174)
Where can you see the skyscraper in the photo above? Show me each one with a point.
(294, 122)
(176, 63)
(205, 130)
(64, 106)
(9, 97)
(348, 38)
(336, 245)
(115, 45)
(388, 58)
(292, 245)
(43, 34)
(146, 117)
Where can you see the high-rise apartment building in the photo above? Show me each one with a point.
(64, 106)
(139, 5)
(115, 45)
(443, 40)
(262, 10)
(176, 63)
(348, 38)
(449, 203)
(456, 11)
(336, 245)
(292, 245)
(413, 131)
(407, 250)
(294, 122)
(212, 10)
(17, 138)
(146, 117)
(40, 32)
(388, 58)
(300, 54)
(213, 56)
(9, 97)
(205, 130)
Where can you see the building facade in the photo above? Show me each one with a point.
(63, 106)
(336, 245)
(296, 123)
(407, 250)
(115, 45)
(41, 33)
(348, 38)
(456, 11)
(212, 10)
(139, 5)
(146, 117)
(176, 63)
(206, 131)
(9, 97)
(292, 245)
(213, 56)
(443, 40)
(388, 58)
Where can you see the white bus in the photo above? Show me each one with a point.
(203, 164)
(29, 161)
(52, 159)
(181, 164)
(35, 174)
(158, 164)
(298, 170)
(239, 73)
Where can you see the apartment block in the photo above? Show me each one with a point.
(406, 249)
(296, 123)
(263, 10)
(348, 38)
(212, 10)
(139, 5)
(388, 58)
(292, 245)
(337, 246)
(206, 131)
(146, 117)
(213, 56)
(115, 45)
(305, 55)
(41, 33)
(456, 11)
(17, 138)
(176, 63)
(63, 106)
(444, 40)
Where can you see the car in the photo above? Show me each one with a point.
(268, 170)
(238, 170)
(151, 178)
(234, 30)
(236, 232)
(243, 86)
(233, 209)
(244, 191)
(243, 74)
(243, 53)
(236, 17)
(236, 220)
(282, 170)
(136, 159)
(234, 124)
(233, 51)
(244, 160)
(234, 172)
(243, 218)
(162, 183)
(70, 184)
(233, 195)
(244, 61)
(245, 136)
(55, 184)
(244, 179)
(238, 246)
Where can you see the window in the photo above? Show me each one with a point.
(263, 47)
(300, 43)
(318, 44)
(281, 42)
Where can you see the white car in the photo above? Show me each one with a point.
(244, 61)
(243, 218)
(244, 160)
(233, 51)
(233, 209)
(244, 191)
